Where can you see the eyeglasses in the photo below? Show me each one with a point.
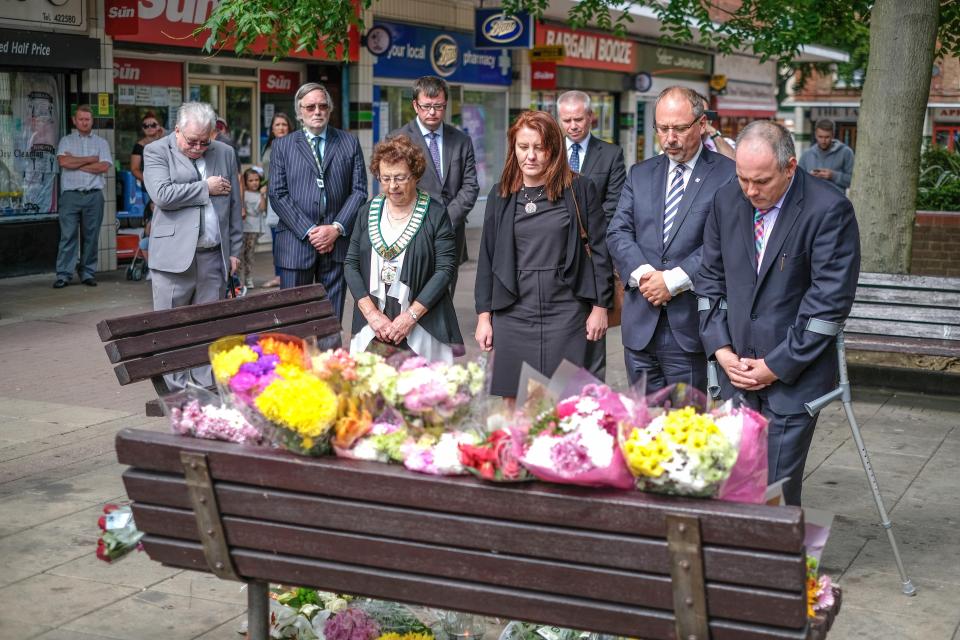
(678, 129)
(150, 125)
(318, 106)
(398, 180)
(432, 107)
(195, 143)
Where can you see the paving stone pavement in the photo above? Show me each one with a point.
(60, 407)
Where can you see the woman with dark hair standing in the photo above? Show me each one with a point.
(152, 130)
(544, 279)
(280, 125)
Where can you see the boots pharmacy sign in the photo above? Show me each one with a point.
(30, 14)
(590, 50)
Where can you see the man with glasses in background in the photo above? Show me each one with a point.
(317, 183)
(197, 229)
(451, 175)
(656, 240)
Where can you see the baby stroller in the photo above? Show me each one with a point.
(138, 265)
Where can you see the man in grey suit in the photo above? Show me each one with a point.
(451, 175)
(602, 162)
(197, 232)
(317, 184)
(656, 241)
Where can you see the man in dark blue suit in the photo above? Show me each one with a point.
(317, 183)
(781, 257)
(655, 239)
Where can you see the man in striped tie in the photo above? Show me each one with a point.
(655, 240)
(781, 256)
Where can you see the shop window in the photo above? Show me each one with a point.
(604, 107)
(847, 134)
(947, 136)
(483, 117)
(30, 129)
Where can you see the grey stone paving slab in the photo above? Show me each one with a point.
(135, 569)
(48, 545)
(152, 615)
(21, 512)
(880, 591)
(55, 600)
(855, 623)
(926, 509)
(928, 553)
(62, 634)
(15, 630)
(226, 631)
(204, 585)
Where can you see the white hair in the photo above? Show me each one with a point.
(199, 113)
(575, 96)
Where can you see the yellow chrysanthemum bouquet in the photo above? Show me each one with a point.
(268, 377)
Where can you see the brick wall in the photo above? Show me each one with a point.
(936, 244)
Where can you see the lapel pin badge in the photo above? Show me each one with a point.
(696, 179)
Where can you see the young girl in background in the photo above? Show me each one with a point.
(254, 222)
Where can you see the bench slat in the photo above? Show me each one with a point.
(206, 332)
(909, 297)
(895, 344)
(616, 585)
(632, 513)
(155, 492)
(189, 357)
(909, 281)
(911, 314)
(563, 610)
(152, 321)
(897, 328)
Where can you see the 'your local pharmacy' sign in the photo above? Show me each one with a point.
(413, 52)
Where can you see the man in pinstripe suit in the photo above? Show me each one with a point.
(317, 183)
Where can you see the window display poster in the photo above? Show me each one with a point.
(29, 134)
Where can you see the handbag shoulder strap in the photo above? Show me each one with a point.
(583, 232)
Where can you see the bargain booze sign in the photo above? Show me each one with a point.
(172, 22)
(590, 50)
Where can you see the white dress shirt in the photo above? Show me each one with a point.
(439, 132)
(211, 224)
(583, 148)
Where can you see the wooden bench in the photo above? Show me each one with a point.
(149, 345)
(615, 562)
(905, 314)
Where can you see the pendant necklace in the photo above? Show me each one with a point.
(531, 206)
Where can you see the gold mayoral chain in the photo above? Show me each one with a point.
(531, 206)
(389, 252)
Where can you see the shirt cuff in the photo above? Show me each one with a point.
(339, 228)
(307, 234)
(677, 280)
(638, 273)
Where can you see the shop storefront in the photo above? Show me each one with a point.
(946, 127)
(159, 65)
(596, 63)
(40, 79)
(659, 67)
(844, 120)
(743, 90)
(478, 81)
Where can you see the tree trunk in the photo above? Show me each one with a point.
(890, 130)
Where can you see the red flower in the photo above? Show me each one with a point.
(107, 508)
(102, 523)
(102, 551)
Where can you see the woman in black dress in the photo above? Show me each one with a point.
(544, 279)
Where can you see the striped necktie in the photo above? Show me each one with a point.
(674, 195)
(758, 215)
(435, 153)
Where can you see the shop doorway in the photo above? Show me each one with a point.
(947, 136)
(235, 101)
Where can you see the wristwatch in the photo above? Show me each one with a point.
(414, 315)
(715, 135)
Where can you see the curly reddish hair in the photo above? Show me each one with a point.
(558, 174)
(396, 149)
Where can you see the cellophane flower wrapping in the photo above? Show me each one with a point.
(682, 452)
(268, 378)
(577, 442)
(748, 477)
(199, 413)
(497, 456)
(438, 455)
(118, 533)
(433, 396)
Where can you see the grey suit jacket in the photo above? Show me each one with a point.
(459, 188)
(604, 165)
(179, 199)
(635, 237)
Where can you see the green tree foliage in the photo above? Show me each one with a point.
(939, 187)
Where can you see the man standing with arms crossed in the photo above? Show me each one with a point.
(655, 239)
(781, 257)
(602, 162)
(451, 175)
(317, 184)
(84, 160)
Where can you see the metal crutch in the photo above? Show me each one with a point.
(843, 392)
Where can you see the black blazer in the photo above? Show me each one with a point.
(428, 266)
(809, 270)
(604, 165)
(590, 279)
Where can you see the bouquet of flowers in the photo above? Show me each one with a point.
(267, 377)
(576, 443)
(118, 533)
(437, 455)
(384, 441)
(198, 413)
(497, 457)
(434, 396)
